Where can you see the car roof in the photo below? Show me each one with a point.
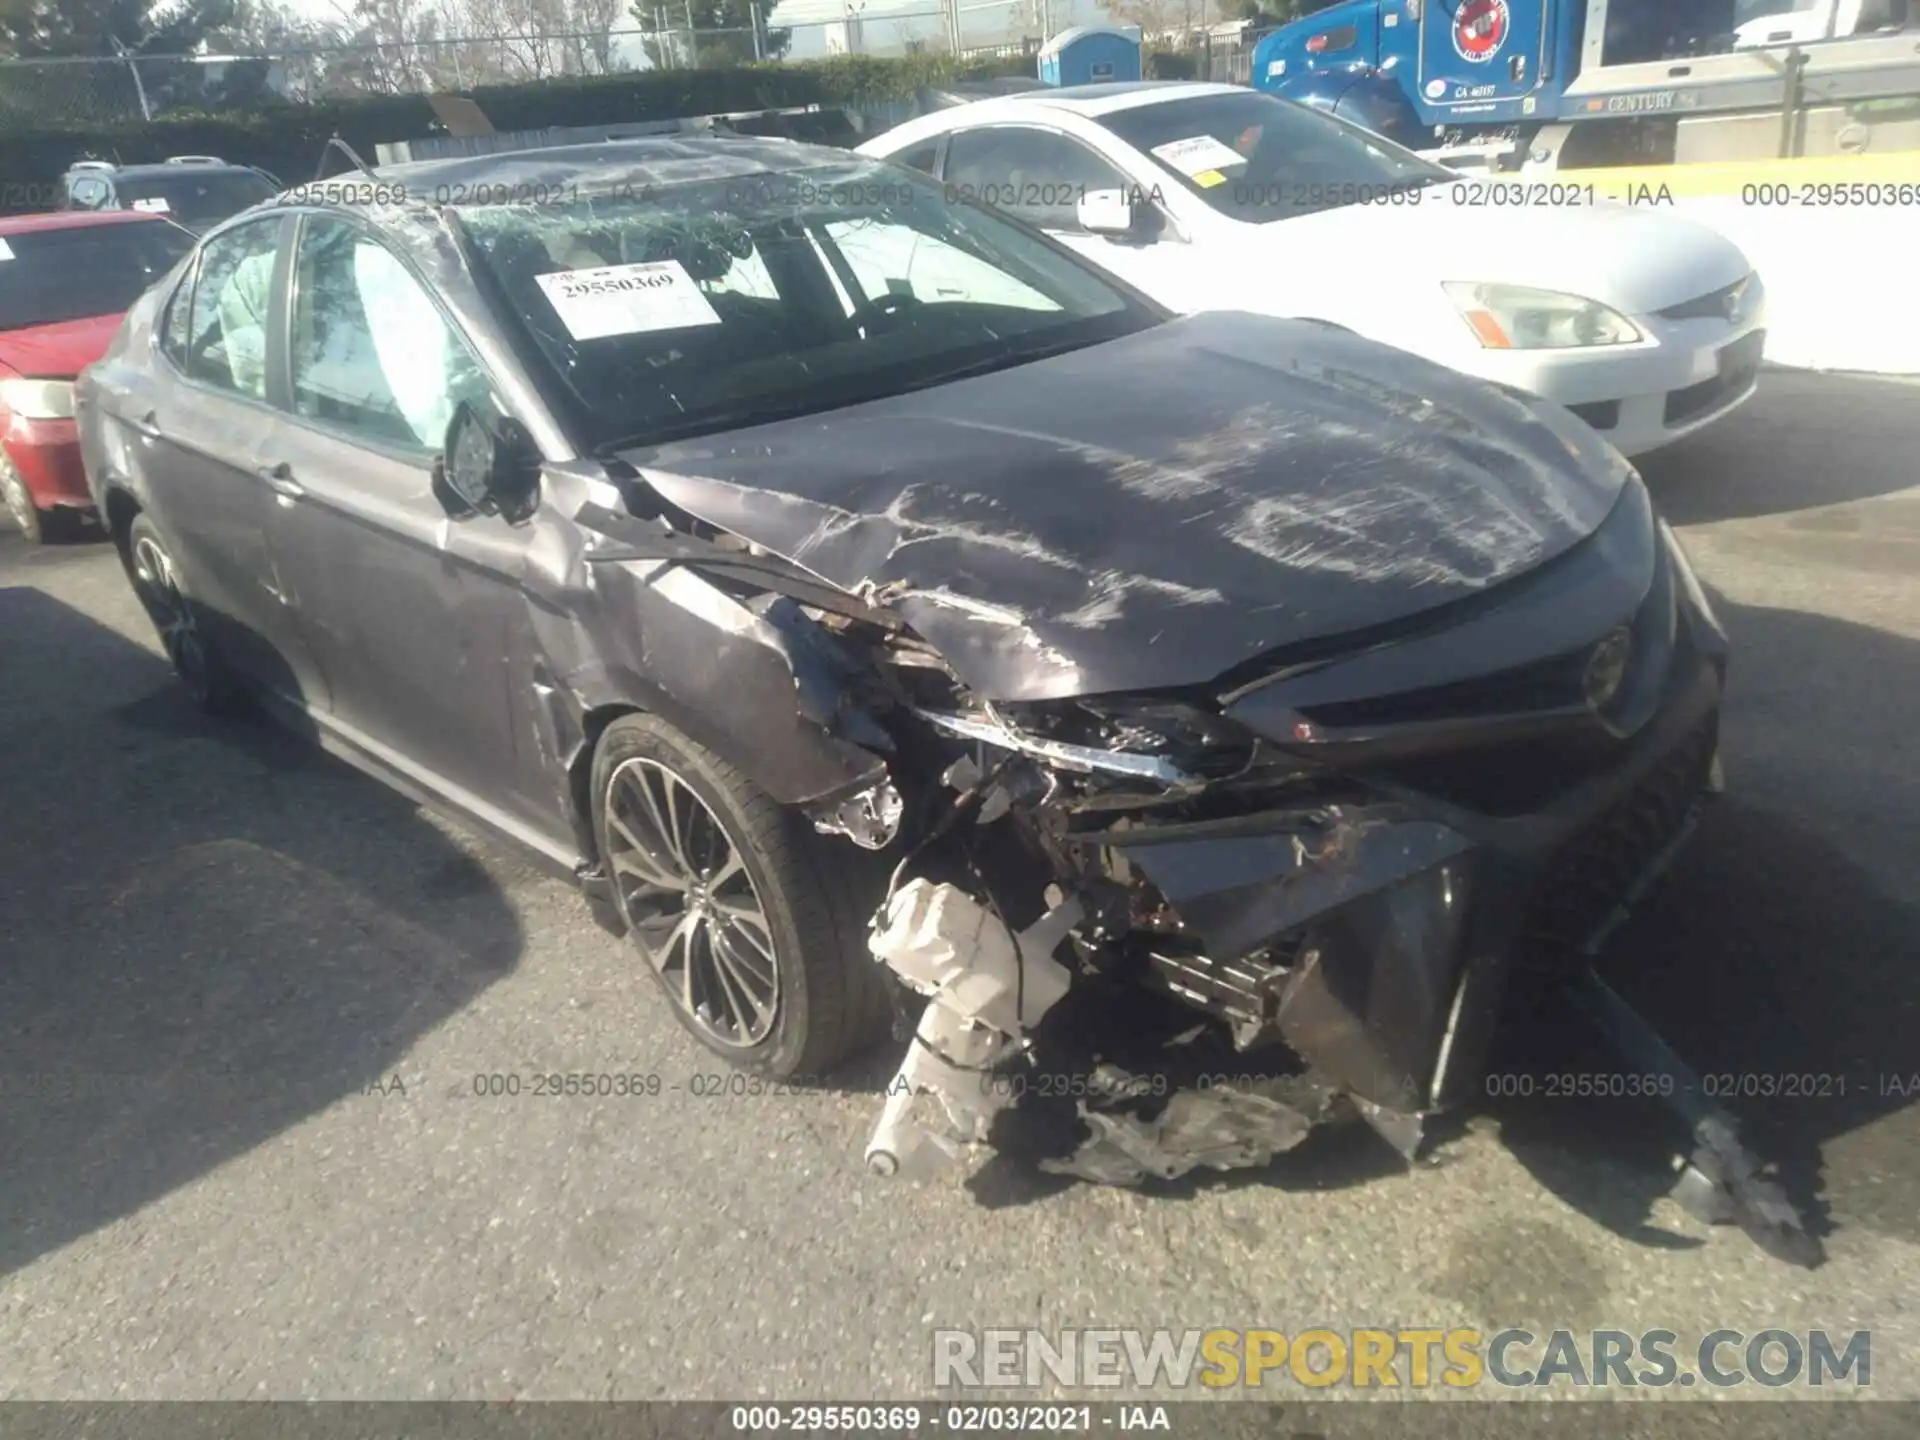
(75, 220)
(1089, 101)
(659, 160)
(1118, 95)
(153, 170)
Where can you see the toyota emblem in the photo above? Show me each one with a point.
(1606, 668)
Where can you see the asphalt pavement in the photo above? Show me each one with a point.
(271, 985)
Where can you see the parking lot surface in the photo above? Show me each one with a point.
(275, 989)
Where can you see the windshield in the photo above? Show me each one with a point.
(1260, 158)
(70, 273)
(705, 306)
(194, 196)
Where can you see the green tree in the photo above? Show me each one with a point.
(102, 27)
(733, 17)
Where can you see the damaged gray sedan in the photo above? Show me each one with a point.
(1189, 730)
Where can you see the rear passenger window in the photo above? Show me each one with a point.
(227, 330)
(87, 194)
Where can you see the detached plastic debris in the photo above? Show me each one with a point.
(1221, 1128)
(986, 986)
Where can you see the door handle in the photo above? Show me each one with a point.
(148, 426)
(279, 478)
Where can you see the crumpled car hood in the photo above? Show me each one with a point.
(1151, 512)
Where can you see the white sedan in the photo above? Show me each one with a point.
(1214, 197)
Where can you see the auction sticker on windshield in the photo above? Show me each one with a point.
(1198, 154)
(156, 206)
(627, 299)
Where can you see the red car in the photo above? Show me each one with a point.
(65, 281)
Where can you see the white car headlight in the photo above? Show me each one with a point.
(38, 399)
(1518, 317)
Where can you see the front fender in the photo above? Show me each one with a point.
(656, 636)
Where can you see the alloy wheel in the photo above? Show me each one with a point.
(691, 904)
(172, 616)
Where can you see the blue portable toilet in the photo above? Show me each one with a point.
(1091, 55)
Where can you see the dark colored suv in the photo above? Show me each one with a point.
(196, 191)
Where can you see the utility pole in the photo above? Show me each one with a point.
(133, 69)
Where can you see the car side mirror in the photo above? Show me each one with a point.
(487, 466)
(1108, 212)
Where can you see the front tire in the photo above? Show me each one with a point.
(754, 929)
(211, 685)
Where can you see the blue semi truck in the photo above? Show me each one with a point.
(1531, 84)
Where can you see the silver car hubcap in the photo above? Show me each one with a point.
(171, 616)
(691, 905)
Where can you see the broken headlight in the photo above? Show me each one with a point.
(1204, 745)
(1163, 742)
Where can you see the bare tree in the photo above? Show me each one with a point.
(1159, 19)
(538, 39)
(391, 47)
(592, 25)
(263, 27)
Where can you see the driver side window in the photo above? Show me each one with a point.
(1034, 175)
(371, 353)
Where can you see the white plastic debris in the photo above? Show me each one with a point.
(985, 986)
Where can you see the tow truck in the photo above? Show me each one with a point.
(1553, 84)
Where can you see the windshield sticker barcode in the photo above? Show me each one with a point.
(627, 299)
(1198, 154)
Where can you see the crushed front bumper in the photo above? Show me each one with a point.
(1406, 920)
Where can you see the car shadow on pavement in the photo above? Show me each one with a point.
(212, 931)
(1781, 956)
(1784, 451)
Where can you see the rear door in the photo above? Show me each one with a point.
(200, 419)
(1476, 53)
(417, 619)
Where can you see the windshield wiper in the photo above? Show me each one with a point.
(695, 423)
(764, 412)
(1003, 360)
